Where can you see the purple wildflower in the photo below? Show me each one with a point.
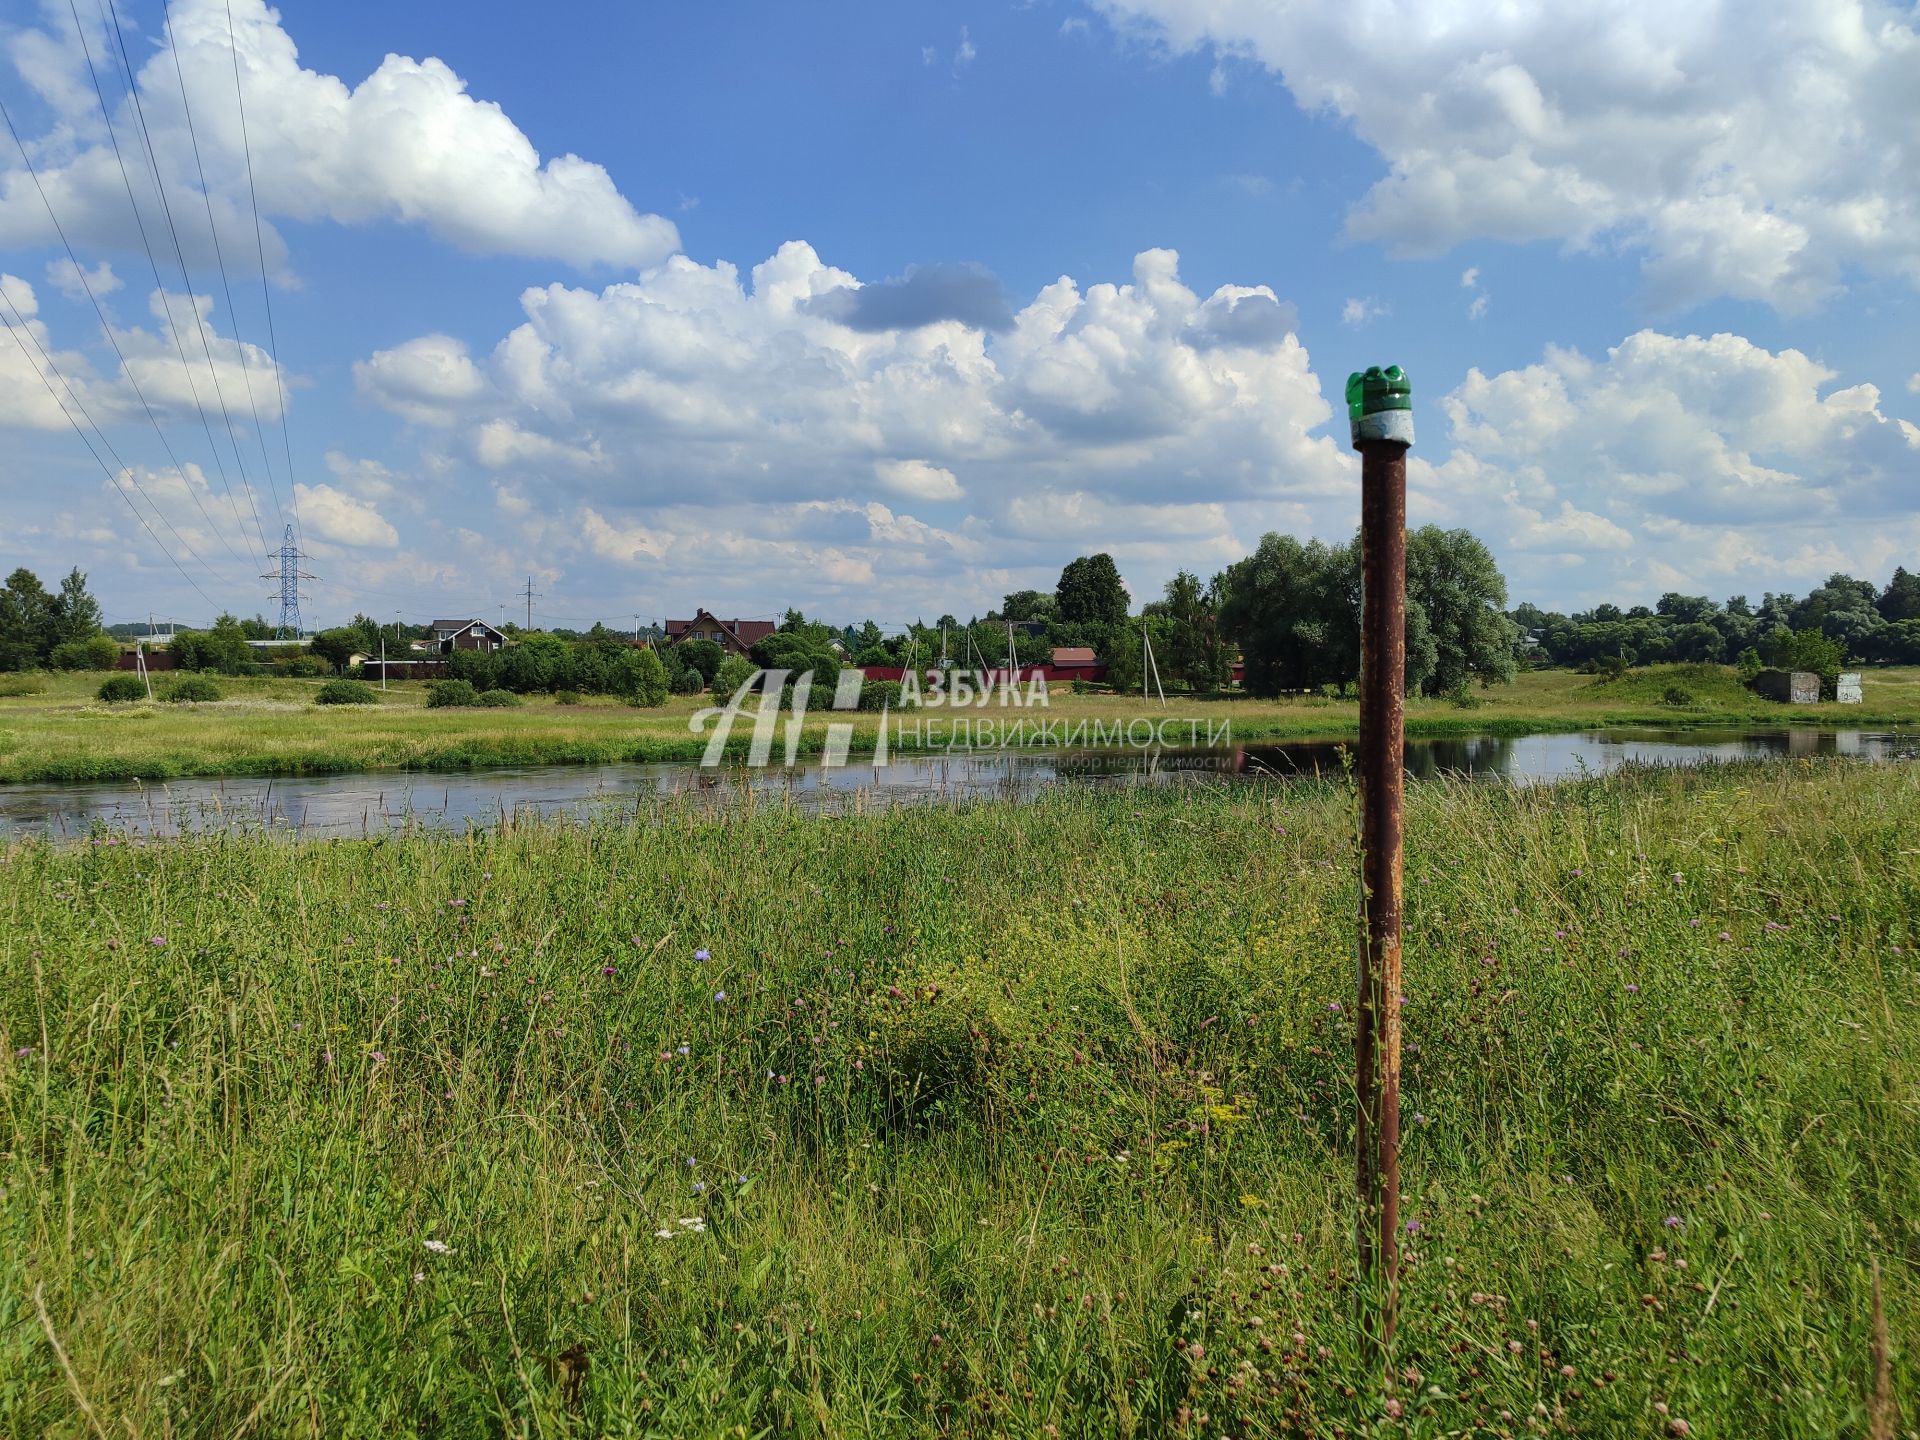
(703, 953)
(1674, 1222)
(607, 970)
(157, 941)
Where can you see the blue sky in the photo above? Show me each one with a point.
(1640, 268)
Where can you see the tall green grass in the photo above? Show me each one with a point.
(995, 1121)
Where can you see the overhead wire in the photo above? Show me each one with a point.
(111, 474)
(260, 250)
(107, 328)
(213, 230)
(179, 346)
(180, 256)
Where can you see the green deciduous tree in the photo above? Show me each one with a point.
(1090, 592)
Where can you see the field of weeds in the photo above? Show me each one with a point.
(996, 1120)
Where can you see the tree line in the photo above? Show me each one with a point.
(1845, 621)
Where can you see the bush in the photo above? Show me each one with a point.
(444, 693)
(646, 678)
(118, 689)
(734, 672)
(566, 697)
(1461, 697)
(495, 699)
(880, 695)
(346, 692)
(191, 690)
(1676, 695)
(303, 666)
(100, 652)
(688, 682)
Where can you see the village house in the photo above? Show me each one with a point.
(736, 637)
(451, 635)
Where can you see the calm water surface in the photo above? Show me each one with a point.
(370, 804)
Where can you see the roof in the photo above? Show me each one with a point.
(1074, 655)
(463, 624)
(745, 632)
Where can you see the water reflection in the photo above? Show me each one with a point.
(373, 804)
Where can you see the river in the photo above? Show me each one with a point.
(373, 803)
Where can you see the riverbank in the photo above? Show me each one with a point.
(273, 728)
(999, 1121)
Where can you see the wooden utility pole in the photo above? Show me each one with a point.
(1380, 408)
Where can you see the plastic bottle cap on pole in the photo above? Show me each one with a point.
(1380, 405)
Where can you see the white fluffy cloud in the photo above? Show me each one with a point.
(1140, 417)
(1675, 460)
(406, 144)
(334, 515)
(76, 284)
(1758, 150)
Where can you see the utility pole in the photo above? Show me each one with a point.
(289, 574)
(532, 595)
(1380, 409)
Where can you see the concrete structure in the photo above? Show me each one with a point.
(1848, 691)
(1789, 687)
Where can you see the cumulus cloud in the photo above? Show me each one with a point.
(1759, 151)
(426, 380)
(406, 144)
(1707, 457)
(74, 283)
(693, 406)
(334, 515)
(917, 480)
(924, 295)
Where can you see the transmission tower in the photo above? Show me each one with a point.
(289, 575)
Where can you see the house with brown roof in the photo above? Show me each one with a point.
(736, 637)
(451, 635)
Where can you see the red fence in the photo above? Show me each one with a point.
(1019, 676)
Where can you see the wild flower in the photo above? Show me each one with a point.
(379, 1057)
(436, 1247)
(1674, 1222)
(1632, 989)
(1333, 1007)
(703, 954)
(719, 995)
(1726, 935)
(23, 1052)
(686, 1050)
(607, 970)
(157, 941)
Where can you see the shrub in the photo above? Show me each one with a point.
(880, 695)
(305, 666)
(1082, 687)
(689, 682)
(99, 652)
(444, 693)
(566, 697)
(1611, 667)
(117, 689)
(346, 692)
(1676, 695)
(647, 678)
(15, 685)
(734, 672)
(1749, 664)
(494, 699)
(191, 690)
(1461, 697)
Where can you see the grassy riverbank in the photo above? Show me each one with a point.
(272, 727)
(994, 1121)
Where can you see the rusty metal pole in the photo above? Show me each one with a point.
(1380, 408)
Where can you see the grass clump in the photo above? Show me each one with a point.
(191, 690)
(346, 692)
(990, 1121)
(17, 686)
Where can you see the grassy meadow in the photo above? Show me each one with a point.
(991, 1121)
(271, 727)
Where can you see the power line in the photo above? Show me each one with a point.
(233, 313)
(180, 256)
(140, 221)
(110, 474)
(107, 327)
(260, 250)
